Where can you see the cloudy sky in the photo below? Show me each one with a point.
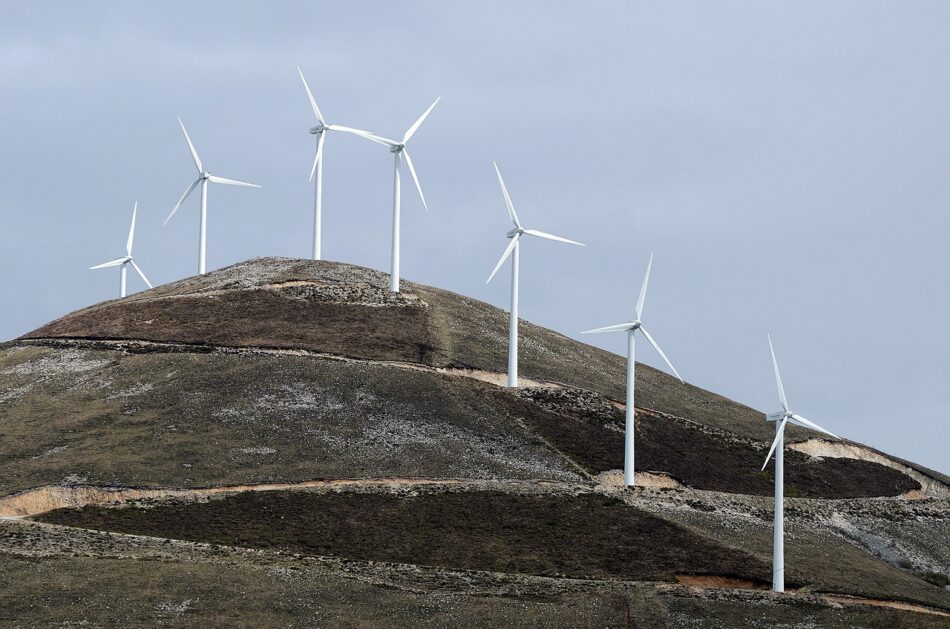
(789, 165)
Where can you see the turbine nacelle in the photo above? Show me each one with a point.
(397, 148)
(777, 416)
(317, 130)
(517, 231)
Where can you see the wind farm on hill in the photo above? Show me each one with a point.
(331, 445)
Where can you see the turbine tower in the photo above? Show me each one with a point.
(513, 250)
(126, 259)
(631, 328)
(398, 149)
(317, 170)
(203, 179)
(778, 445)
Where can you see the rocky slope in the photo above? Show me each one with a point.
(296, 426)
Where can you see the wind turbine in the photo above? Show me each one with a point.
(513, 250)
(398, 149)
(631, 328)
(317, 169)
(203, 178)
(126, 259)
(778, 445)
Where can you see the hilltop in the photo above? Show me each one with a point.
(342, 444)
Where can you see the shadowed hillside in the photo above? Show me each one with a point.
(311, 425)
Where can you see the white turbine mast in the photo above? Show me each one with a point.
(398, 149)
(513, 250)
(782, 418)
(631, 328)
(203, 178)
(317, 170)
(126, 259)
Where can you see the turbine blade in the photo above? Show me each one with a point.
(660, 352)
(620, 327)
(319, 155)
(508, 203)
(504, 256)
(313, 101)
(643, 289)
(412, 171)
(415, 126)
(231, 182)
(539, 234)
(193, 185)
(191, 147)
(778, 437)
(142, 275)
(128, 243)
(105, 265)
(360, 132)
(807, 423)
(380, 139)
(778, 378)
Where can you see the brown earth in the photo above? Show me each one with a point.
(223, 418)
(341, 309)
(423, 491)
(586, 536)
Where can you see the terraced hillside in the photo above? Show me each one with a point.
(291, 430)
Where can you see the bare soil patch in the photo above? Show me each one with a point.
(721, 582)
(873, 602)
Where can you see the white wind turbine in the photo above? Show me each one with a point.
(778, 445)
(203, 178)
(126, 259)
(631, 328)
(317, 170)
(398, 149)
(513, 250)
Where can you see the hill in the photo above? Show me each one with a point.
(294, 429)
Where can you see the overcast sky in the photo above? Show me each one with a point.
(789, 165)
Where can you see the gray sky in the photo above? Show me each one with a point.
(789, 164)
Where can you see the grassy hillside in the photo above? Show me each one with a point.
(285, 442)
(348, 311)
(160, 418)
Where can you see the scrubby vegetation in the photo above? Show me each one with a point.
(585, 536)
(590, 431)
(441, 498)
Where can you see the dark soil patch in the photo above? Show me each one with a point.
(269, 318)
(582, 536)
(590, 432)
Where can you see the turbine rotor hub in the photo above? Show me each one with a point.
(514, 232)
(397, 148)
(317, 130)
